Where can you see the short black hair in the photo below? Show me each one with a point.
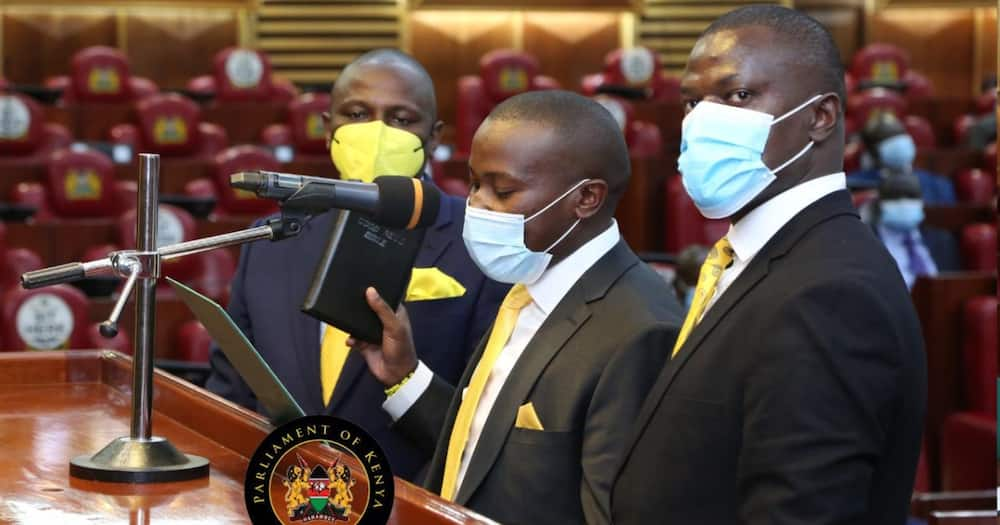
(594, 138)
(393, 57)
(813, 42)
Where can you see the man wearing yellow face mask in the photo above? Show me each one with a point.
(382, 121)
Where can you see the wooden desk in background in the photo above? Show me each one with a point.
(57, 405)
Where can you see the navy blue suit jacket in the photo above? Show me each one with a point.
(267, 293)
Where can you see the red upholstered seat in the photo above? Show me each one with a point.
(863, 106)
(170, 125)
(979, 354)
(120, 342)
(975, 186)
(81, 184)
(968, 442)
(231, 201)
(990, 158)
(305, 131)
(636, 68)
(502, 74)
(922, 132)
(14, 262)
(852, 155)
(643, 138)
(979, 247)
(192, 342)
(880, 64)
(918, 86)
(50, 318)
(243, 75)
(100, 74)
(33, 194)
(684, 224)
(25, 137)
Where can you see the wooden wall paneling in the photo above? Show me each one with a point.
(172, 46)
(571, 45)
(450, 43)
(38, 43)
(940, 43)
(986, 42)
(845, 19)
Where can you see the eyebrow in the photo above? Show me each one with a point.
(724, 81)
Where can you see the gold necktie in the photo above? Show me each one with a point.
(332, 356)
(718, 259)
(516, 299)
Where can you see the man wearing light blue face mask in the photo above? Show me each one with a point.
(919, 250)
(532, 432)
(796, 390)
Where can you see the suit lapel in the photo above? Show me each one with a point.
(564, 321)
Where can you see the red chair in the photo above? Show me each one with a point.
(305, 131)
(231, 201)
(634, 68)
(866, 105)
(25, 137)
(975, 186)
(101, 74)
(120, 342)
(918, 86)
(81, 184)
(643, 138)
(880, 64)
(969, 436)
(243, 75)
(50, 318)
(192, 342)
(921, 131)
(14, 262)
(33, 194)
(853, 152)
(990, 158)
(171, 125)
(979, 247)
(502, 74)
(684, 224)
(961, 127)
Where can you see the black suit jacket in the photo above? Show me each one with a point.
(586, 371)
(798, 399)
(267, 293)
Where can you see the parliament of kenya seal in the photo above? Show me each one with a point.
(319, 469)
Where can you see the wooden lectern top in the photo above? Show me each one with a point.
(55, 406)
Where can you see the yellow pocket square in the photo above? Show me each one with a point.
(527, 418)
(427, 284)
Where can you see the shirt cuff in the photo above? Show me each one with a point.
(397, 404)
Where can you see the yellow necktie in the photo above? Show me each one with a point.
(332, 356)
(718, 259)
(516, 299)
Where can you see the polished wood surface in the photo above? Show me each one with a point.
(57, 405)
(939, 303)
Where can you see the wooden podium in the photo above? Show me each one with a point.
(57, 405)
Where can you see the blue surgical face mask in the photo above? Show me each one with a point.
(897, 152)
(902, 214)
(495, 242)
(721, 160)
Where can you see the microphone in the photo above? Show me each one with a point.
(393, 201)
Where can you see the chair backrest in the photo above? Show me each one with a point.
(684, 224)
(100, 74)
(174, 225)
(979, 247)
(880, 63)
(82, 184)
(242, 74)
(168, 124)
(50, 318)
(918, 86)
(979, 354)
(233, 201)
(921, 131)
(507, 72)
(22, 125)
(975, 186)
(643, 138)
(863, 106)
(305, 121)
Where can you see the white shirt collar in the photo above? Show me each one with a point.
(753, 231)
(556, 281)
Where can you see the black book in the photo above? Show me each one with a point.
(359, 254)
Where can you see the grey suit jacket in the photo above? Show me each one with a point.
(586, 372)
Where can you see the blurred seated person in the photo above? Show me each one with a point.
(892, 151)
(984, 126)
(689, 262)
(917, 248)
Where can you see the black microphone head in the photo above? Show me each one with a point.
(406, 202)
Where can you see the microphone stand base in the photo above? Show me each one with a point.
(128, 460)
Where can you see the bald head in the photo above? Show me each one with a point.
(402, 65)
(589, 143)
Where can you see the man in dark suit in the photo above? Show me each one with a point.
(271, 281)
(918, 249)
(532, 431)
(797, 390)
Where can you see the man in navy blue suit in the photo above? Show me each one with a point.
(450, 302)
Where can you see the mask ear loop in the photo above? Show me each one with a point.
(561, 197)
(797, 109)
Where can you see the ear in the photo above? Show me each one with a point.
(826, 116)
(592, 197)
(434, 139)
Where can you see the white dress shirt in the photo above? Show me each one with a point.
(546, 293)
(756, 228)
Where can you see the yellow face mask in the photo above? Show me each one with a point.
(372, 149)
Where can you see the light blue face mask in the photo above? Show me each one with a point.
(897, 152)
(902, 214)
(495, 242)
(721, 148)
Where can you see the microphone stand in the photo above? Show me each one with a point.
(142, 457)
